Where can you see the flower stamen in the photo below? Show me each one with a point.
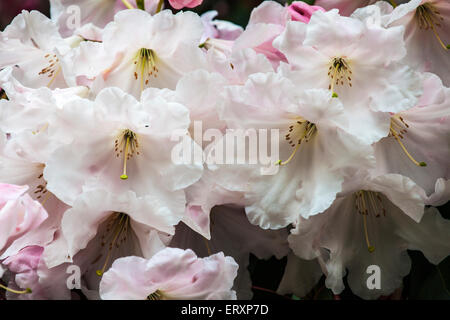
(339, 72)
(301, 130)
(397, 130)
(369, 202)
(119, 224)
(157, 295)
(429, 17)
(52, 69)
(128, 145)
(145, 62)
(26, 291)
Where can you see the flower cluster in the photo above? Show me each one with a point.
(105, 171)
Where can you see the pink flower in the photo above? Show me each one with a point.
(180, 4)
(28, 271)
(302, 12)
(171, 274)
(19, 214)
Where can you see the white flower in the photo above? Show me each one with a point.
(427, 35)
(140, 51)
(171, 274)
(417, 146)
(374, 224)
(235, 236)
(316, 151)
(343, 55)
(131, 150)
(33, 44)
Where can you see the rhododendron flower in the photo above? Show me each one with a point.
(374, 224)
(29, 273)
(219, 29)
(232, 233)
(134, 60)
(342, 55)
(19, 214)
(411, 149)
(180, 4)
(133, 150)
(171, 274)
(267, 21)
(113, 227)
(148, 152)
(33, 44)
(316, 150)
(427, 35)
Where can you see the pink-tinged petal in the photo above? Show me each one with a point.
(302, 12)
(353, 236)
(426, 45)
(29, 271)
(18, 216)
(180, 4)
(269, 12)
(422, 128)
(346, 7)
(10, 192)
(26, 260)
(172, 273)
(234, 235)
(32, 44)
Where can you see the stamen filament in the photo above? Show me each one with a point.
(207, 246)
(446, 47)
(365, 213)
(26, 291)
(428, 17)
(308, 129)
(119, 231)
(125, 158)
(160, 4)
(54, 77)
(290, 158)
(366, 234)
(46, 198)
(419, 164)
(127, 4)
(333, 79)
